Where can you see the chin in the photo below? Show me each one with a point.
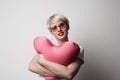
(61, 37)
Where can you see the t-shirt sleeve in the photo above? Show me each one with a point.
(81, 54)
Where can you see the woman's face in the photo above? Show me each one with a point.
(59, 30)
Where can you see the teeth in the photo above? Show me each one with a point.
(60, 34)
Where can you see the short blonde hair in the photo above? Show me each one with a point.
(56, 17)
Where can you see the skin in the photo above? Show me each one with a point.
(44, 67)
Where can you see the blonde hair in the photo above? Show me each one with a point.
(56, 17)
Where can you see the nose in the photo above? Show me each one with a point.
(59, 29)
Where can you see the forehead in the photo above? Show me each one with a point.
(56, 23)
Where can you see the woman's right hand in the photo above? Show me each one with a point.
(35, 67)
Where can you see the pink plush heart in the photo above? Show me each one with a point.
(62, 54)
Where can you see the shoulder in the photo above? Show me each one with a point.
(81, 50)
(81, 54)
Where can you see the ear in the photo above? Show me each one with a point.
(49, 30)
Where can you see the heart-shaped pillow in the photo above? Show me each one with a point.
(62, 54)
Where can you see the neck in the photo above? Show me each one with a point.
(62, 41)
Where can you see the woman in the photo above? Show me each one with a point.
(58, 26)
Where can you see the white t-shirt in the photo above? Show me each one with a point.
(81, 56)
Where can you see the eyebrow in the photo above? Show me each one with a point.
(60, 23)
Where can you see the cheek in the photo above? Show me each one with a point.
(66, 31)
(54, 34)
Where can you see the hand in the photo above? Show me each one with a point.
(41, 59)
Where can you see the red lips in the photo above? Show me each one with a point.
(61, 34)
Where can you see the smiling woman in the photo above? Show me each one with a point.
(58, 25)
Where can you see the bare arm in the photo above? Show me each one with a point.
(67, 72)
(35, 67)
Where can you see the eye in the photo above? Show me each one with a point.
(62, 25)
(54, 28)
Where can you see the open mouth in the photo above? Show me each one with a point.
(61, 34)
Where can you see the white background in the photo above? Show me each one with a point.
(95, 24)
